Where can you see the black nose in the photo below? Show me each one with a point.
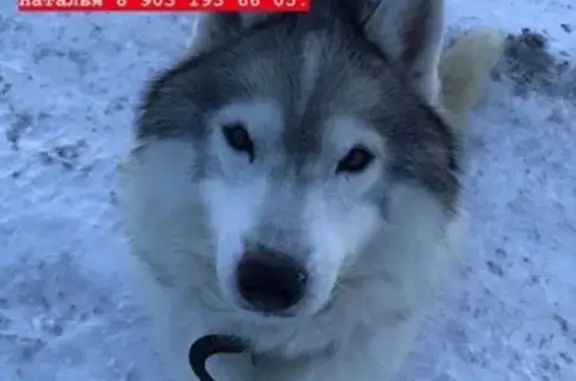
(270, 281)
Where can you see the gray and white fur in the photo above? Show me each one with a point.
(294, 181)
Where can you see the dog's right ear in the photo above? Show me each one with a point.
(213, 29)
(410, 32)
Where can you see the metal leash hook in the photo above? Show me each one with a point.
(209, 345)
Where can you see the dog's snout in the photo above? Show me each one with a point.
(270, 281)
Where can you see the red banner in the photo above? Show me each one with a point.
(164, 5)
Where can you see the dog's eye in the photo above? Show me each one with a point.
(239, 139)
(356, 160)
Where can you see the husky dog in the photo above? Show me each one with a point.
(295, 182)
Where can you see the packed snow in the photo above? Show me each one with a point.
(68, 85)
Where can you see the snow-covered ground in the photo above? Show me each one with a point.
(67, 87)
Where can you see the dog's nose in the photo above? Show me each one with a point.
(270, 281)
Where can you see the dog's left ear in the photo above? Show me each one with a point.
(409, 32)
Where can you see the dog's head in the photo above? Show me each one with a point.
(288, 147)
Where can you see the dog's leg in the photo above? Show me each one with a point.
(464, 72)
(176, 327)
(170, 339)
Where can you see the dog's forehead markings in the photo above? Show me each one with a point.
(302, 129)
(343, 131)
(358, 95)
(312, 58)
(330, 83)
(259, 114)
(258, 74)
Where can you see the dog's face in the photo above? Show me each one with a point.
(279, 159)
(291, 197)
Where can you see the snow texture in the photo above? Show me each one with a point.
(68, 85)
